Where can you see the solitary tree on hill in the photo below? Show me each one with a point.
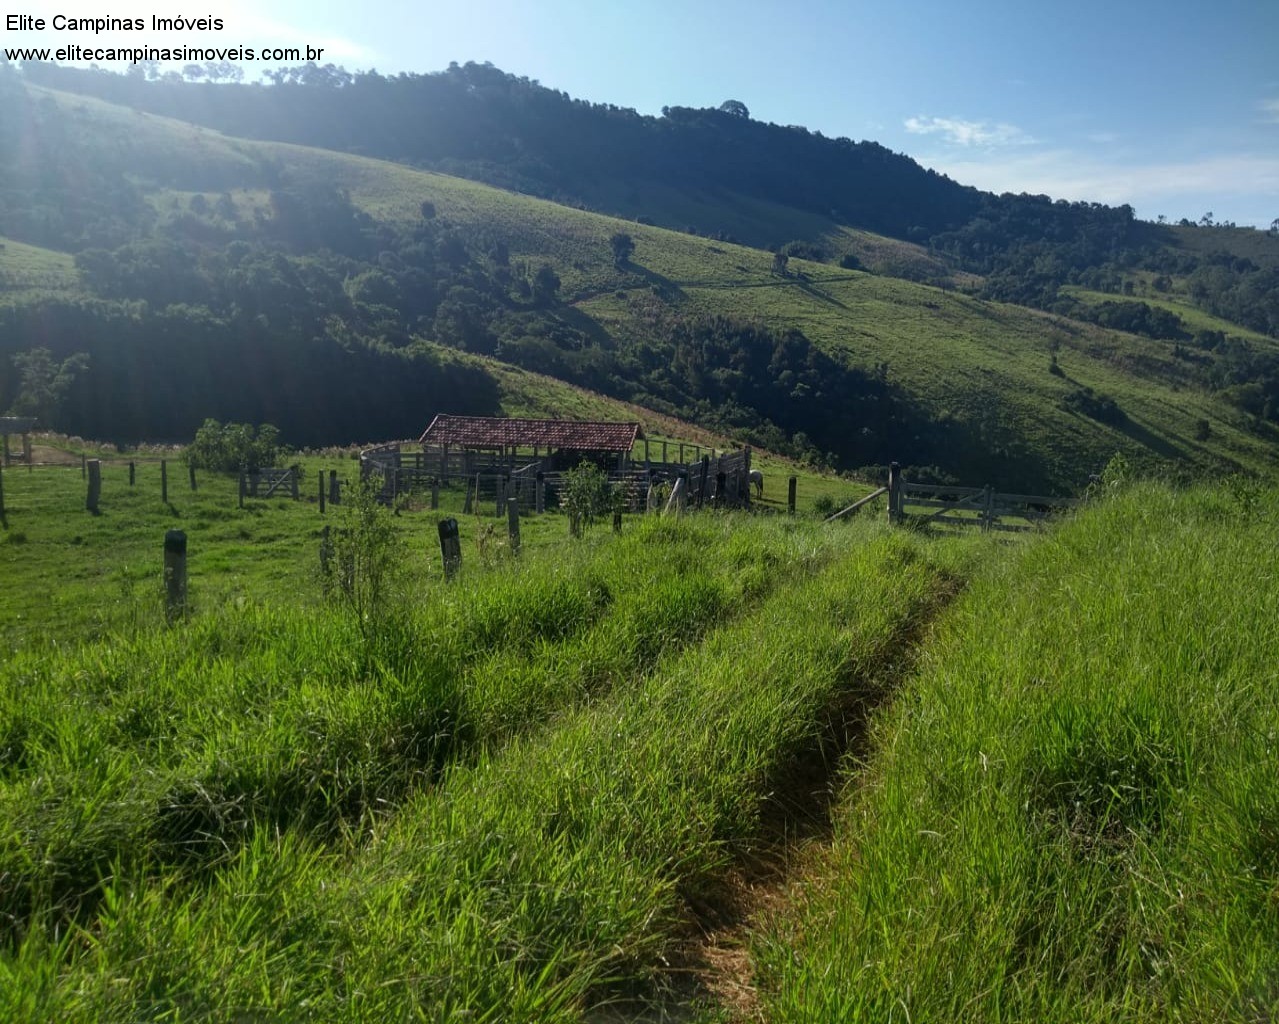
(735, 107)
(623, 246)
(545, 283)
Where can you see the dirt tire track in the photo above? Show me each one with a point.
(796, 829)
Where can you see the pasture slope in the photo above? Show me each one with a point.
(498, 800)
(1003, 383)
(717, 768)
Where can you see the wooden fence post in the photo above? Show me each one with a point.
(503, 485)
(132, 472)
(335, 488)
(790, 494)
(894, 492)
(435, 493)
(84, 467)
(175, 574)
(513, 522)
(450, 547)
(701, 490)
(95, 485)
(191, 474)
(617, 520)
(326, 555)
(988, 509)
(244, 486)
(164, 481)
(321, 478)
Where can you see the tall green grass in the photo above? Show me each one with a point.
(176, 744)
(1071, 812)
(529, 883)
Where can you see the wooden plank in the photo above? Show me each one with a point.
(959, 492)
(855, 505)
(1035, 499)
(968, 502)
(938, 502)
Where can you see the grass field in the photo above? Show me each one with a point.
(591, 781)
(499, 798)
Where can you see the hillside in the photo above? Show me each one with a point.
(328, 276)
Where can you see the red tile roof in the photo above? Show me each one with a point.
(492, 432)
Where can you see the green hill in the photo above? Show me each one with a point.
(335, 263)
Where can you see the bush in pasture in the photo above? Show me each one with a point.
(585, 494)
(232, 447)
(360, 568)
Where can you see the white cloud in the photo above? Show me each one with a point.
(968, 133)
(1242, 179)
(1270, 111)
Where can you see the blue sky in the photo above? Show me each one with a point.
(1172, 107)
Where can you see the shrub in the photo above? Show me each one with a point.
(231, 447)
(585, 494)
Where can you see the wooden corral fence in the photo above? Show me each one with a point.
(715, 481)
(951, 505)
(982, 507)
(267, 482)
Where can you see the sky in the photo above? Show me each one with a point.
(1171, 107)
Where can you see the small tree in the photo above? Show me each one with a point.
(623, 248)
(546, 283)
(44, 382)
(232, 447)
(360, 568)
(780, 261)
(585, 494)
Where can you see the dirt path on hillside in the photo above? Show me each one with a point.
(715, 966)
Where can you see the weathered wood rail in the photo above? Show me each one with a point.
(266, 482)
(952, 505)
(714, 480)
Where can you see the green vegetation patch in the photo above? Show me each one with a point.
(1070, 812)
(533, 881)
